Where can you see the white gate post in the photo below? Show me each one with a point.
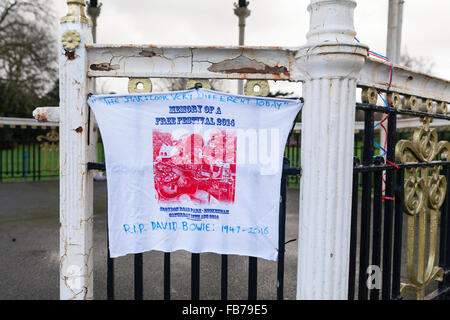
(76, 183)
(331, 62)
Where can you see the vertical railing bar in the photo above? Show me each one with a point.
(30, 160)
(353, 234)
(10, 164)
(24, 160)
(224, 278)
(29, 153)
(16, 158)
(297, 153)
(388, 210)
(282, 234)
(110, 277)
(443, 227)
(138, 277)
(7, 166)
(1, 164)
(365, 206)
(398, 234)
(297, 165)
(195, 276)
(444, 237)
(109, 268)
(39, 161)
(252, 277)
(442, 232)
(166, 275)
(376, 227)
(12, 160)
(447, 260)
(294, 153)
(34, 160)
(6, 159)
(291, 149)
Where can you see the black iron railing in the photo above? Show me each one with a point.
(31, 154)
(195, 257)
(377, 232)
(377, 227)
(25, 158)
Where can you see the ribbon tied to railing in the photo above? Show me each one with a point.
(387, 102)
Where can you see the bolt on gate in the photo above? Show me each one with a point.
(330, 65)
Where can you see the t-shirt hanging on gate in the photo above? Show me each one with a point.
(197, 170)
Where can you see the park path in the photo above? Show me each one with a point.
(29, 246)
(29, 253)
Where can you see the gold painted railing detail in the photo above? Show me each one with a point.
(50, 150)
(424, 191)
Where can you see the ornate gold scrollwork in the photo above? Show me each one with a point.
(50, 150)
(51, 141)
(424, 191)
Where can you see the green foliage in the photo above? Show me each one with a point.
(28, 61)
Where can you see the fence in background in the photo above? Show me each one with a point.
(29, 150)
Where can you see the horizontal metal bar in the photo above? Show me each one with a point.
(26, 122)
(375, 108)
(439, 293)
(372, 168)
(401, 123)
(234, 62)
(243, 62)
(96, 166)
(297, 171)
(376, 74)
(288, 171)
(415, 123)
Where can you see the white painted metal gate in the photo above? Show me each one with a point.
(331, 65)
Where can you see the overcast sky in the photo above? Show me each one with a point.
(426, 24)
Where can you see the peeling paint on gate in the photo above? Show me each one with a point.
(148, 61)
(105, 66)
(243, 64)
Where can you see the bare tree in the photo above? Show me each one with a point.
(417, 63)
(28, 61)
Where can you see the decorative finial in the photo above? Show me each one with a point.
(241, 9)
(75, 12)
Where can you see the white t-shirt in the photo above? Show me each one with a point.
(197, 170)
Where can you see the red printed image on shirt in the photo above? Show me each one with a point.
(190, 168)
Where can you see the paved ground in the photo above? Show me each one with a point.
(29, 247)
(29, 253)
